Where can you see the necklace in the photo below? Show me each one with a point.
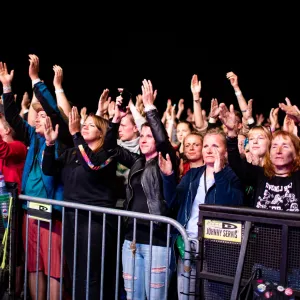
(280, 174)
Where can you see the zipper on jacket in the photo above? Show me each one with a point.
(131, 186)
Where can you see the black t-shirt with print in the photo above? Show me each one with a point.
(279, 194)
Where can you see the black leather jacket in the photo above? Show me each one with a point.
(150, 173)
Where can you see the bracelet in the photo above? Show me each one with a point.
(238, 93)
(50, 144)
(59, 91)
(7, 88)
(212, 120)
(197, 100)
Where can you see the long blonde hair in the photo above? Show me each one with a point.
(102, 125)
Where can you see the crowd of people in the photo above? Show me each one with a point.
(142, 160)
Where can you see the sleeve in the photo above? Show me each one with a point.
(246, 172)
(50, 165)
(162, 141)
(23, 130)
(122, 155)
(16, 150)
(174, 194)
(229, 190)
(50, 106)
(110, 140)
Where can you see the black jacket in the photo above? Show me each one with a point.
(151, 179)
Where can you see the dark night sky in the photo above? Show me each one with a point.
(267, 66)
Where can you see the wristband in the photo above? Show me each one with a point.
(212, 120)
(50, 144)
(149, 107)
(238, 93)
(250, 121)
(7, 88)
(59, 91)
(34, 81)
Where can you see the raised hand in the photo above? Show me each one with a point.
(219, 161)
(259, 119)
(165, 165)
(273, 118)
(50, 134)
(252, 158)
(190, 115)
(247, 114)
(83, 114)
(147, 93)
(103, 102)
(181, 105)
(111, 109)
(227, 117)
(74, 121)
(291, 110)
(289, 125)
(58, 77)
(119, 114)
(25, 101)
(233, 79)
(214, 109)
(195, 85)
(34, 66)
(5, 77)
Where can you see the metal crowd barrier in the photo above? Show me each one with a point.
(42, 208)
(235, 242)
(14, 250)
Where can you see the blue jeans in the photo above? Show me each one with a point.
(138, 254)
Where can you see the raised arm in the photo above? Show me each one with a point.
(61, 97)
(158, 130)
(196, 89)
(103, 104)
(244, 170)
(50, 165)
(139, 120)
(25, 104)
(48, 102)
(22, 128)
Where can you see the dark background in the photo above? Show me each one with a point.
(267, 65)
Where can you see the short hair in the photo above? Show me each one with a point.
(261, 128)
(217, 131)
(197, 133)
(146, 124)
(189, 124)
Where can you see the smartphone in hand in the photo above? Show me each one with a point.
(126, 95)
